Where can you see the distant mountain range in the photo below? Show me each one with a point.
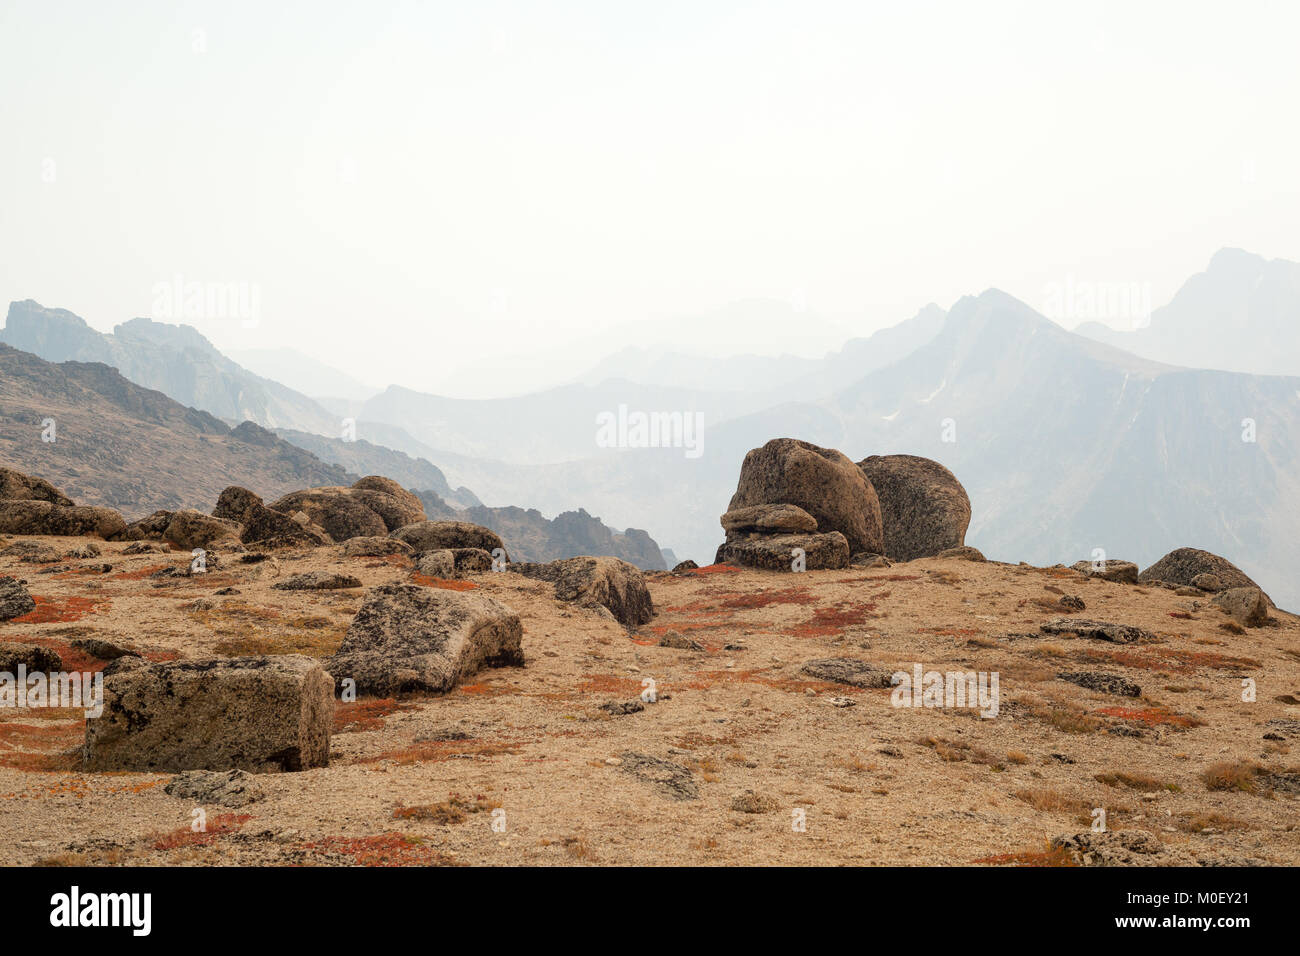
(119, 444)
(1242, 314)
(1066, 442)
(174, 359)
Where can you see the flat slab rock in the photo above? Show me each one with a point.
(1105, 683)
(608, 582)
(222, 788)
(1100, 630)
(249, 713)
(848, 670)
(1122, 572)
(828, 551)
(411, 638)
(317, 581)
(672, 780)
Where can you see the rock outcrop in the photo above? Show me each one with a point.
(16, 485)
(246, 713)
(821, 481)
(923, 507)
(29, 516)
(780, 552)
(1183, 565)
(605, 582)
(1247, 606)
(436, 535)
(15, 601)
(410, 638)
(1121, 572)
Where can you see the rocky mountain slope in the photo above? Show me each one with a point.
(174, 359)
(132, 448)
(1241, 314)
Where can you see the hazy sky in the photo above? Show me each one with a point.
(479, 198)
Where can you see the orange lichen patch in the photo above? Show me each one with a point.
(185, 837)
(827, 621)
(609, 684)
(1154, 716)
(390, 561)
(139, 573)
(432, 751)
(425, 580)
(383, 849)
(1049, 857)
(1170, 659)
(74, 660)
(365, 715)
(60, 610)
(37, 747)
(715, 569)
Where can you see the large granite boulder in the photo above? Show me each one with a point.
(189, 529)
(768, 519)
(411, 638)
(606, 582)
(1183, 565)
(335, 509)
(821, 481)
(16, 485)
(27, 516)
(246, 713)
(436, 535)
(923, 507)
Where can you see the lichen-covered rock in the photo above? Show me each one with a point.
(14, 600)
(1099, 630)
(1121, 572)
(436, 535)
(222, 788)
(1246, 606)
(1105, 683)
(34, 657)
(821, 481)
(471, 560)
(410, 638)
(390, 487)
(375, 547)
(768, 519)
(265, 528)
(1183, 565)
(437, 564)
(24, 516)
(603, 581)
(189, 529)
(317, 581)
(923, 507)
(336, 510)
(246, 713)
(964, 553)
(1110, 848)
(779, 552)
(236, 503)
(848, 670)
(16, 485)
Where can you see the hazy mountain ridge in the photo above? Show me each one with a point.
(174, 359)
(132, 448)
(1241, 314)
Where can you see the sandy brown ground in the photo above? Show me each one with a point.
(876, 784)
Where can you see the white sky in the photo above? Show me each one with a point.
(480, 198)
